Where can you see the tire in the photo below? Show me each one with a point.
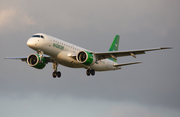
(92, 72)
(88, 72)
(54, 74)
(59, 74)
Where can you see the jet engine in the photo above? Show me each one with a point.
(34, 61)
(85, 57)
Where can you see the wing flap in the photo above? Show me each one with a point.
(124, 64)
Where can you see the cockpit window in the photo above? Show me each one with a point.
(39, 36)
(36, 36)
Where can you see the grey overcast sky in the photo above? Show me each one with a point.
(144, 90)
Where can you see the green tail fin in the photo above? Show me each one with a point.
(114, 46)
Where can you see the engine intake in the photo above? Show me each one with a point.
(33, 60)
(85, 57)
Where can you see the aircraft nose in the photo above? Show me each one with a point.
(30, 43)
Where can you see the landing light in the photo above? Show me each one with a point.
(69, 54)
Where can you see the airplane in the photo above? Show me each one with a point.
(54, 50)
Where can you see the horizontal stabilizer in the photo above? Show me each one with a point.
(124, 64)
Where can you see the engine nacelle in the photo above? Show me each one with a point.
(34, 61)
(85, 57)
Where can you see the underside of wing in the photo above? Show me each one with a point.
(17, 58)
(46, 57)
(114, 54)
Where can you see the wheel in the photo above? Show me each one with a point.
(88, 72)
(59, 74)
(54, 74)
(92, 72)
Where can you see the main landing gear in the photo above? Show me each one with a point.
(56, 73)
(90, 72)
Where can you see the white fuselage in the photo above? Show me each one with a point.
(62, 53)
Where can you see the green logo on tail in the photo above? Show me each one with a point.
(114, 46)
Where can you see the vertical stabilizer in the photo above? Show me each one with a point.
(114, 46)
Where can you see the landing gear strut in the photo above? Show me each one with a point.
(90, 72)
(56, 73)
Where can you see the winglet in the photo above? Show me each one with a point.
(166, 48)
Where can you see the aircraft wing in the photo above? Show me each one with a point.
(17, 58)
(124, 64)
(47, 58)
(114, 54)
